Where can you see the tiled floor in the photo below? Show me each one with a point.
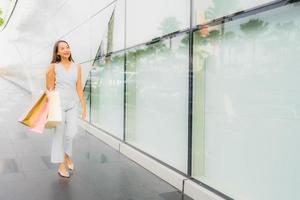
(101, 173)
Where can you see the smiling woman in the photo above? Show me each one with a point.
(64, 76)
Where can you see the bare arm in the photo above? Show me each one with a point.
(50, 77)
(80, 92)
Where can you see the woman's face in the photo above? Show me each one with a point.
(63, 50)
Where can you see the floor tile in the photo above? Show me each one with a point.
(8, 166)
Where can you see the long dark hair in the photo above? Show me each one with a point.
(56, 58)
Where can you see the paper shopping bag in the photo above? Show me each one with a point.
(54, 114)
(33, 113)
(40, 122)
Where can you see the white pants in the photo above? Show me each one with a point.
(64, 134)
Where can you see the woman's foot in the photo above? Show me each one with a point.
(62, 171)
(69, 162)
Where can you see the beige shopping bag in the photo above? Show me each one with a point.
(54, 114)
(33, 113)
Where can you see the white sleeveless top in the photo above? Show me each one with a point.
(65, 84)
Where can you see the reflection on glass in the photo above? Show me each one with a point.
(157, 99)
(107, 94)
(199, 55)
(106, 45)
(100, 30)
(247, 73)
(1, 17)
(119, 26)
(87, 95)
(146, 20)
(206, 10)
(6, 7)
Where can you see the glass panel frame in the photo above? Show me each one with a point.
(154, 99)
(208, 10)
(249, 80)
(107, 94)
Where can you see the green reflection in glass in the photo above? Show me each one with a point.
(107, 87)
(87, 95)
(207, 10)
(156, 97)
(246, 122)
(220, 7)
(199, 55)
(169, 25)
(132, 59)
(1, 19)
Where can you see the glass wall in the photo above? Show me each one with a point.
(157, 98)
(107, 94)
(87, 95)
(206, 10)
(94, 30)
(146, 20)
(245, 110)
(118, 26)
(247, 73)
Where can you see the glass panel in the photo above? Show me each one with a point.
(119, 26)
(87, 95)
(86, 83)
(146, 20)
(107, 99)
(252, 122)
(106, 45)
(199, 55)
(157, 100)
(206, 10)
(92, 32)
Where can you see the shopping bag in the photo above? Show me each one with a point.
(54, 114)
(40, 122)
(33, 113)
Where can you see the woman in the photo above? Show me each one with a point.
(64, 76)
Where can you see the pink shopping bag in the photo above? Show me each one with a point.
(39, 124)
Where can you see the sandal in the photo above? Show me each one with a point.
(70, 166)
(64, 174)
